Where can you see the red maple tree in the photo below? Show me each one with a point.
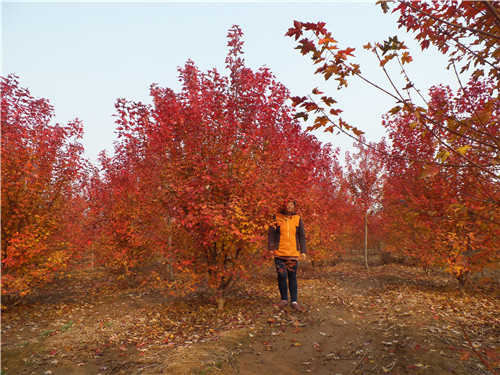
(466, 31)
(41, 204)
(216, 159)
(444, 216)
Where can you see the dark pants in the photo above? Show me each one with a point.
(287, 269)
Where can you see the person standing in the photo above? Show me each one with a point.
(287, 241)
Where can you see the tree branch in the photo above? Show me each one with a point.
(476, 31)
(493, 11)
(475, 351)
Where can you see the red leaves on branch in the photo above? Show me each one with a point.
(443, 190)
(324, 49)
(465, 30)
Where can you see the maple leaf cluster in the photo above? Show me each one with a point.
(465, 30)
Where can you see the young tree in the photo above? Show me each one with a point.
(41, 205)
(218, 157)
(365, 176)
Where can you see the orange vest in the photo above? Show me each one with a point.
(287, 236)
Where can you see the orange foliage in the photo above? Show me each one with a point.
(41, 165)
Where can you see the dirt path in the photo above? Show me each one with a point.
(388, 320)
(360, 322)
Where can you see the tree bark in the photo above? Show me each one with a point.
(366, 240)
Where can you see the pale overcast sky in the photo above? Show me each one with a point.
(82, 56)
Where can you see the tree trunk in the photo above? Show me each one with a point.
(220, 298)
(170, 267)
(463, 279)
(220, 303)
(170, 270)
(366, 241)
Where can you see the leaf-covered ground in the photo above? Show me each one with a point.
(391, 319)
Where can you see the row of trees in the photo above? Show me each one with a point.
(193, 183)
(196, 175)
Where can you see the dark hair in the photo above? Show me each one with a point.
(283, 206)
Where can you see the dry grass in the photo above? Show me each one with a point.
(83, 330)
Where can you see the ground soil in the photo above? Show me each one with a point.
(391, 319)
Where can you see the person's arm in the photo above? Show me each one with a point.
(271, 238)
(302, 240)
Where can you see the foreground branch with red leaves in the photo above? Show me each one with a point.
(466, 31)
(442, 199)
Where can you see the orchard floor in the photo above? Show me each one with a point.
(391, 319)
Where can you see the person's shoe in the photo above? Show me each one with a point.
(282, 304)
(297, 307)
